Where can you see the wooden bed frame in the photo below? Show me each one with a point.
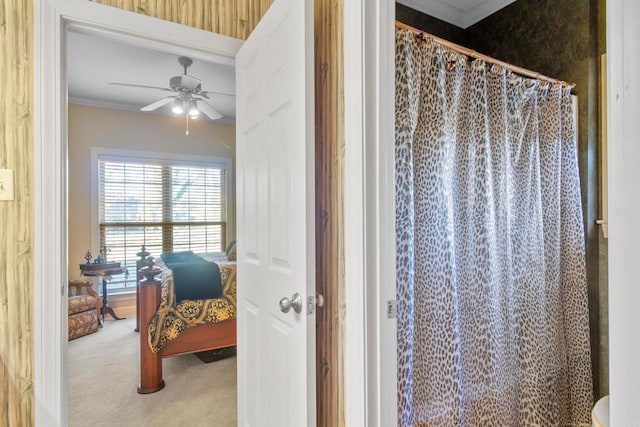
(205, 337)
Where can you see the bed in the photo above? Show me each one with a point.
(169, 327)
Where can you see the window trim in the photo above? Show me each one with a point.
(98, 153)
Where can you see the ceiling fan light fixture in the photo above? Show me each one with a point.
(193, 109)
(177, 107)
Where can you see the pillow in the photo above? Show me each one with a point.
(231, 255)
(196, 281)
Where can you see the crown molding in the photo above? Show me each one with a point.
(89, 102)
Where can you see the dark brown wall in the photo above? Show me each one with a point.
(560, 40)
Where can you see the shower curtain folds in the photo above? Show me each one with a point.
(492, 297)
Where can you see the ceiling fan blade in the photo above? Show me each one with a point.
(208, 110)
(142, 86)
(207, 92)
(158, 104)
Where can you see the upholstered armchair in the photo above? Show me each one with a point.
(84, 306)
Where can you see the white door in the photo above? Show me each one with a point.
(276, 219)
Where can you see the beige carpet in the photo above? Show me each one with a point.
(103, 376)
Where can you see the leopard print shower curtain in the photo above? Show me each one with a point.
(492, 296)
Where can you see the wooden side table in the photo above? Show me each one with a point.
(105, 271)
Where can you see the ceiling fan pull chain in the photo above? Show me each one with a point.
(187, 116)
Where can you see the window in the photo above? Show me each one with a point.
(165, 205)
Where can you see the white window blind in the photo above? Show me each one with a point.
(165, 206)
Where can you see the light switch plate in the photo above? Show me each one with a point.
(6, 184)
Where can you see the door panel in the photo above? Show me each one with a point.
(248, 194)
(276, 218)
(251, 365)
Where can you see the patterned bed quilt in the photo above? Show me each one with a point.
(172, 318)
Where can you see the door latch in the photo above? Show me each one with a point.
(392, 311)
(313, 302)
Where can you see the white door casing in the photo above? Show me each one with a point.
(276, 218)
(369, 72)
(623, 104)
(53, 18)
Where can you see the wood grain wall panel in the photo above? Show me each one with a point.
(16, 217)
(330, 210)
(234, 18)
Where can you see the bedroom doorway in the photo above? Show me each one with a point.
(145, 157)
(55, 17)
(105, 130)
(283, 58)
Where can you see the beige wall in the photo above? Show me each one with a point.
(113, 129)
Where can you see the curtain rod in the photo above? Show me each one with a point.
(472, 53)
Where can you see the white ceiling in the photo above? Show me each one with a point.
(93, 62)
(461, 13)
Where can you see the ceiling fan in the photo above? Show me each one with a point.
(188, 95)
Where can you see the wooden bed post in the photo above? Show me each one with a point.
(139, 264)
(143, 254)
(150, 362)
